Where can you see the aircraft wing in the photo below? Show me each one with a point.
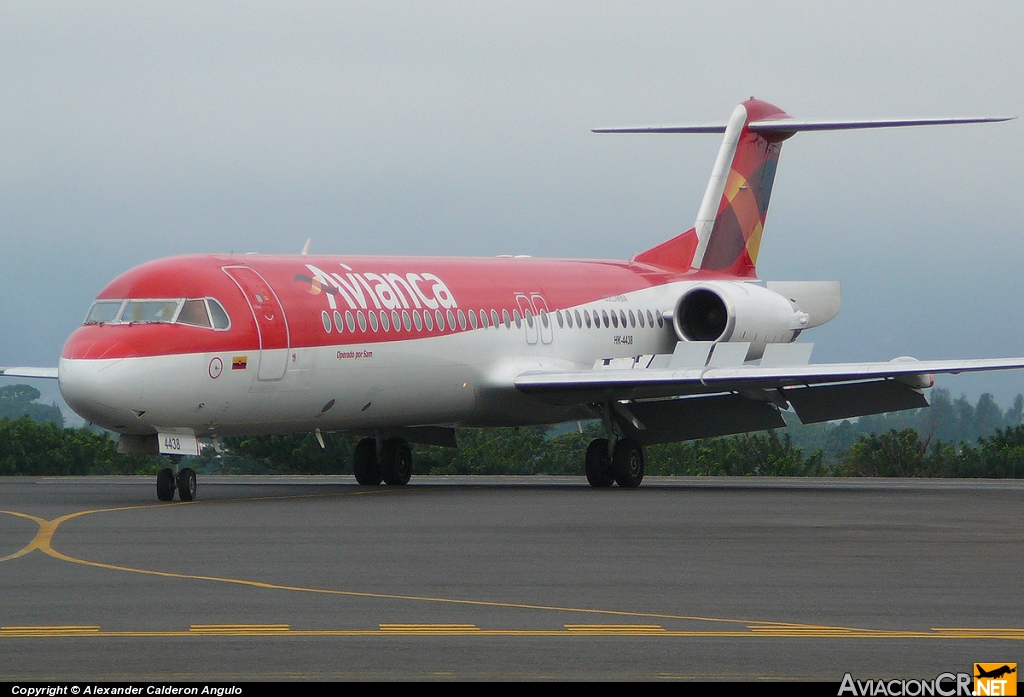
(44, 373)
(711, 401)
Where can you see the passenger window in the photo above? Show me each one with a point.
(440, 320)
(418, 321)
(103, 311)
(462, 320)
(605, 314)
(494, 318)
(615, 320)
(505, 318)
(194, 312)
(451, 320)
(472, 320)
(483, 319)
(587, 316)
(326, 319)
(338, 324)
(373, 320)
(385, 325)
(428, 320)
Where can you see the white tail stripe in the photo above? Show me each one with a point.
(708, 210)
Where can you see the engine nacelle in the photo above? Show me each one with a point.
(740, 312)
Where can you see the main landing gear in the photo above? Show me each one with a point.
(614, 460)
(184, 482)
(391, 463)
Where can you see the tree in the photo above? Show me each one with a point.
(17, 401)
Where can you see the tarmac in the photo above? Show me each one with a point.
(508, 578)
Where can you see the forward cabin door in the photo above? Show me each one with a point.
(270, 321)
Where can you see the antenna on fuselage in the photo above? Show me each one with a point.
(305, 247)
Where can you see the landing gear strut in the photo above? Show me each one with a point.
(614, 459)
(184, 482)
(392, 464)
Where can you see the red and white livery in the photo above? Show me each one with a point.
(682, 341)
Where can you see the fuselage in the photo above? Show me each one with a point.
(252, 344)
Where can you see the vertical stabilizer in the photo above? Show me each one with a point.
(730, 221)
(732, 214)
(727, 233)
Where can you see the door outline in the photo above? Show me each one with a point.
(271, 367)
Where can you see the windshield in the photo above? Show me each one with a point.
(149, 311)
(103, 311)
(199, 312)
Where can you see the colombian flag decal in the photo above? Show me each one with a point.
(239, 363)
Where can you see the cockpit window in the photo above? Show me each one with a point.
(220, 317)
(161, 311)
(194, 312)
(103, 311)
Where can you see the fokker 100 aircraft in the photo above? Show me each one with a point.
(682, 341)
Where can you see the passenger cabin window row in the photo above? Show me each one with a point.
(195, 312)
(427, 320)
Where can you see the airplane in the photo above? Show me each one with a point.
(682, 341)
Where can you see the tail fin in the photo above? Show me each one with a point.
(727, 234)
(730, 221)
(732, 214)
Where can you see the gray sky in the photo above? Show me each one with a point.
(131, 131)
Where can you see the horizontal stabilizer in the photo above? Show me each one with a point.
(790, 125)
(41, 373)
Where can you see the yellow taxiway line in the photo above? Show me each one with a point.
(43, 542)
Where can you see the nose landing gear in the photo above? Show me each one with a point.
(184, 482)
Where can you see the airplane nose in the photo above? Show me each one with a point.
(102, 392)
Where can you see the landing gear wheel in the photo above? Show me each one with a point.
(165, 484)
(396, 462)
(364, 463)
(187, 484)
(597, 464)
(628, 463)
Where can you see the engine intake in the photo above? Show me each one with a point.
(702, 315)
(739, 312)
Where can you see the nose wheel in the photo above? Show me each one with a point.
(184, 482)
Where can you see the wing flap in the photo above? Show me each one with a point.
(673, 420)
(833, 402)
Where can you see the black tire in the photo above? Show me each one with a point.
(395, 462)
(187, 484)
(597, 464)
(165, 484)
(628, 463)
(364, 463)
